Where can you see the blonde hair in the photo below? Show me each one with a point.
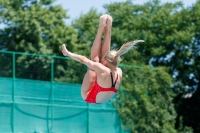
(114, 56)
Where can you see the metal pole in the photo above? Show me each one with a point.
(88, 130)
(13, 94)
(52, 91)
(88, 118)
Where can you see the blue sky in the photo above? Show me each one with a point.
(76, 7)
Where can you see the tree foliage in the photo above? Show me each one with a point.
(145, 103)
(34, 26)
(171, 32)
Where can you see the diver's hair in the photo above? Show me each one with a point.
(114, 56)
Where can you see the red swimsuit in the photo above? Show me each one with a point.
(91, 97)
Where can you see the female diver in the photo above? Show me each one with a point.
(103, 78)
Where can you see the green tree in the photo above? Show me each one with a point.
(189, 72)
(145, 102)
(34, 26)
(169, 31)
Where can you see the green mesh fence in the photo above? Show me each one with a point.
(41, 94)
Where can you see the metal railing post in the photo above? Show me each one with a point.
(52, 91)
(13, 92)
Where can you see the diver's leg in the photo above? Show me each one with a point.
(96, 47)
(107, 38)
(90, 76)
